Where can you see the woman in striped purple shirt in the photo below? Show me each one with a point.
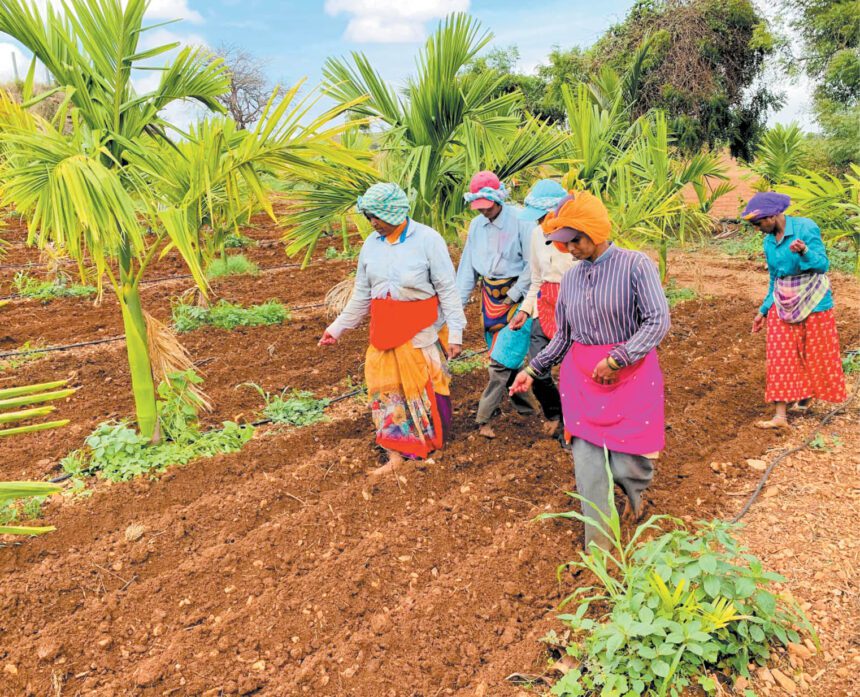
(611, 315)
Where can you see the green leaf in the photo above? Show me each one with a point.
(660, 667)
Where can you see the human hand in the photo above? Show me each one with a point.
(508, 300)
(758, 323)
(522, 383)
(798, 247)
(604, 374)
(327, 339)
(518, 321)
(454, 350)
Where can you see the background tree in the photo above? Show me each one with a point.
(703, 67)
(250, 89)
(829, 54)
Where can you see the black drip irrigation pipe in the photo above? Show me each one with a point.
(66, 347)
(827, 418)
(80, 344)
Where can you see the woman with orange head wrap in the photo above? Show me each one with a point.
(611, 315)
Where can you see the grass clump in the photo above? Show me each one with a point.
(292, 407)
(116, 452)
(677, 609)
(467, 363)
(60, 287)
(851, 362)
(227, 315)
(232, 265)
(15, 362)
(676, 295)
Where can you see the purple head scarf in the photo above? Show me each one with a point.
(765, 204)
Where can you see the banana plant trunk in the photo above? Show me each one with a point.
(136, 345)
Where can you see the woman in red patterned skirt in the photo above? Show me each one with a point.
(803, 359)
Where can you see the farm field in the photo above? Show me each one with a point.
(283, 569)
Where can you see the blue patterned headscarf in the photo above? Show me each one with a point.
(387, 201)
(499, 195)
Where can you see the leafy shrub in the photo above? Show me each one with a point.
(29, 287)
(681, 606)
(292, 407)
(226, 315)
(234, 265)
(851, 362)
(116, 452)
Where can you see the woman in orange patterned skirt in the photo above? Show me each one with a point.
(803, 359)
(405, 280)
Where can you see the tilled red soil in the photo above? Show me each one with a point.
(281, 569)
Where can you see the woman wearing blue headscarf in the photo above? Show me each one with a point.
(548, 264)
(405, 279)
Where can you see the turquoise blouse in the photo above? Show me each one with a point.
(782, 262)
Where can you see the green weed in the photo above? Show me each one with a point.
(292, 407)
(21, 510)
(233, 265)
(467, 364)
(825, 443)
(15, 362)
(116, 452)
(680, 607)
(851, 362)
(226, 315)
(345, 254)
(236, 240)
(676, 295)
(35, 289)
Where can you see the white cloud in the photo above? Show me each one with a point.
(173, 9)
(391, 21)
(798, 104)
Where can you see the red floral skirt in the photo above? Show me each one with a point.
(803, 359)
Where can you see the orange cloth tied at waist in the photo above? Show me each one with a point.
(394, 322)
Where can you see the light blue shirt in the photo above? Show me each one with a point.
(782, 262)
(416, 267)
(496, 249)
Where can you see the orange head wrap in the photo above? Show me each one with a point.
(581, 211)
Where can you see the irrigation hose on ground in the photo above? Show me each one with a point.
(827, 418)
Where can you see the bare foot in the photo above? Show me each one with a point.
(394, 460)
(550, 427)
(774, 423)
(487, 431)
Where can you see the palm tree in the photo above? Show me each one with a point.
(442, 128)
(85, 181)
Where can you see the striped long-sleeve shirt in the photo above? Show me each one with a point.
(616, 299)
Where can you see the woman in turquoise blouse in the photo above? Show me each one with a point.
(803, 359)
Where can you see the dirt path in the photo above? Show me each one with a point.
(281, 570)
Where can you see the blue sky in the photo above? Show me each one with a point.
(295, 37)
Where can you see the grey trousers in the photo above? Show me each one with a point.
(496, 391)
(632, 473)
